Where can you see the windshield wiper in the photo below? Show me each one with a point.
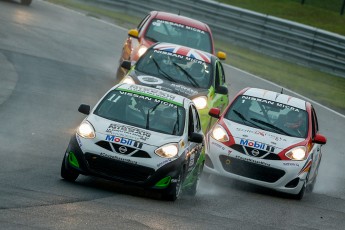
(270, 125)
(167, 76)
(148, 114)
(177, 123)
(245, 119)
(152, 39)
(189, 77)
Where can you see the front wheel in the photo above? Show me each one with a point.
(175, 189)
(67, 174)
(301, 193)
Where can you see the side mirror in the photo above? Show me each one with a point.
(222, 90)
(126, 65)
(196, 137)
(214, 112)
(134, 33)
(221, 55)
(320, 139)
(85, 109)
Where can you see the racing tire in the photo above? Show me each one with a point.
(301, 193)
(25, 2)
(175, 189)
(67, 174)
(191, 191)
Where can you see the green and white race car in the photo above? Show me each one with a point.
(141, 136)
(186, 71)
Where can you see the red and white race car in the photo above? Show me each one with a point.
(268, 139)
(160, 26)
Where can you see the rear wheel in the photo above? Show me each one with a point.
(25, 2)
(66, 173)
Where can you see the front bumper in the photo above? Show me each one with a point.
(280, 175)
(118, 170)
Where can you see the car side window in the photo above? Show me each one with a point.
(222, 75)
(315, 128)
(217, 80)
(196, 118)
(191, 121)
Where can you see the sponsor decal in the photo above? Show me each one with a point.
(183, 53)
(261, 133)
(291, 164)
(123, 149)
(124, 141)
(118, 158)
(150, 80)
(218, 145)
(152, 91)
(78, 140)
(227, 161)
(253, 161)
(255, 152)
(184, 89)
(256, 145)
(160, 22)
(270, 102)
(127, 130)
(163, 163)
(191, 159)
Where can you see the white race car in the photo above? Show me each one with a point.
(268, 139)
(141, 136)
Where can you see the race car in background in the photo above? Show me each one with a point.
(140, 136)
(160, 26)
(268, 139)
(182, 70)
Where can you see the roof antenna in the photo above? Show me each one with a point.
(281, 92)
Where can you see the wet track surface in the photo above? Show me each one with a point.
(51, 61)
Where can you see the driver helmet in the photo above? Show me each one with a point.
(294, 120)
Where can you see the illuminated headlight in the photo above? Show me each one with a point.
(200, 102)
(142, 50)
(128, 80)
(219, 133)
(297, 154)
(167, 151)
(86, 130)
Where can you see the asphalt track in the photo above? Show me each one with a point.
(52, 60)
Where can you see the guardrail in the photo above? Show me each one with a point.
(280, 38)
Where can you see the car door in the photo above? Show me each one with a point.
(194, 149)
(219, 100)
(316, 148)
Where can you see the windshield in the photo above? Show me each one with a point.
(142, 111)
(165, 31)
(176, 68)
(269, 115)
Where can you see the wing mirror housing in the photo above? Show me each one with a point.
(221, 55)
(85, 109)
(196, 137)
(222, 90)
(214, 112)
(320, 139)
(126, 65)
(134, 33)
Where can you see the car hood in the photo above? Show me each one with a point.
(260, 139)
(104, 127)
(166, 85)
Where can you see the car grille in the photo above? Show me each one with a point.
(260, 153)
(118, 169)
(251, 170)
(116, 148)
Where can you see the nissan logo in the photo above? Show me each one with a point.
(255, 152)
(123, 149)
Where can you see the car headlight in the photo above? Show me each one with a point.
(142, 50)
(167, 151)
(219, 133)
(128, 80)
(297, 154)
(200, 102)
(86, 130)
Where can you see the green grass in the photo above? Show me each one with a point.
(323, 14)
(327, 89)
